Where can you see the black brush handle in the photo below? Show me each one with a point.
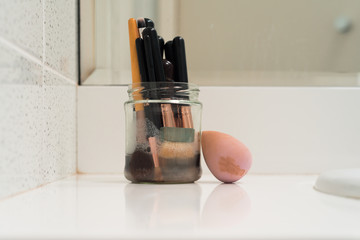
(140, 48)
(161, 45)
(149, 58)
(169, 78)
(141, 58)
(180, 60)
(168, 70)
(157, 59)
(149, 23)
(169, 55)
(153, 111)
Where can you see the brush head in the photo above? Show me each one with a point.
(139, 166)
(179, 162)
(177, 150)
(174, 134)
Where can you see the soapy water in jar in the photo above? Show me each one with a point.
(178, 161)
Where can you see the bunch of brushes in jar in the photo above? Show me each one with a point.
(167, 145)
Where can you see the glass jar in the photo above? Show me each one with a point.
(163, 132)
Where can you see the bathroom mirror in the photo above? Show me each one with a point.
(231, 42)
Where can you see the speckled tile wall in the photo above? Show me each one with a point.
(38, 87)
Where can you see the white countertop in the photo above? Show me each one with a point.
(109, 207)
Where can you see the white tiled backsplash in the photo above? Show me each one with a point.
(38, 84)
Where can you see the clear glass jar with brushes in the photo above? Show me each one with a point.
(163, 132)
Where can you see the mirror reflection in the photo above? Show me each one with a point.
(231, 42)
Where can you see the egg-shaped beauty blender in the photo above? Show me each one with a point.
(227, 158)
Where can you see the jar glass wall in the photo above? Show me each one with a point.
(163, 132)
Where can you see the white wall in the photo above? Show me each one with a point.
(38, 85)
(288, 129)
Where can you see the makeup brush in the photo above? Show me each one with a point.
(178, 46)
(155, 74)
(177, 148)
(136, 80)
(152, 66)
(169, 55)
(140, 165)
(150, 109)
(181, 76)
(166, 109)
(155, 69)
(153, 107)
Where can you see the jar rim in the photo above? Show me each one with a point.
(136, 87)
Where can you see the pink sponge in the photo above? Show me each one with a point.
(227, 158)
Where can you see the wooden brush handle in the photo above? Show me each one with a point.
(133, 35)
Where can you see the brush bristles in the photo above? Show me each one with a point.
(177, 150)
